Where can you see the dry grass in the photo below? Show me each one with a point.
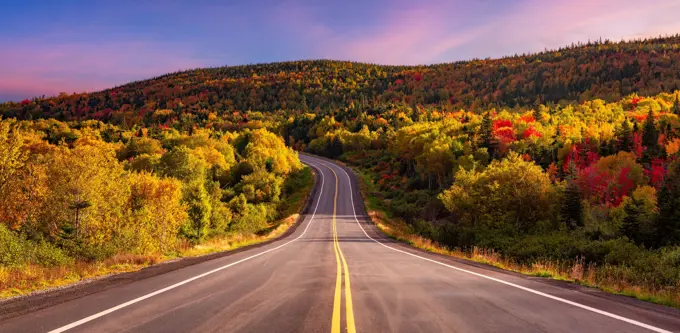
(30, 278)
(235, 241)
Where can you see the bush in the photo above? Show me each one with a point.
(559, 246)
(254, 219)
(12, 248)
(509, 193)
(17, 251)
(46, 254)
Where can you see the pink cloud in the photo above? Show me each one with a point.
(403, 35)
(428, 34)
(39, 67)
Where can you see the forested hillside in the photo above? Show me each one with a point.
(563, 155)
(605, 70)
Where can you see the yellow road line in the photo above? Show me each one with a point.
(349, 310)
(335, 323)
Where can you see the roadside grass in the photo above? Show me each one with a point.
(26, 279)
(575, 271)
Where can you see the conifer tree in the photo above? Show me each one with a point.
(650, 139)
(676, 105)
(572, 209)
(669, 208)
(625, 137)
(650, 135)
(630, 226)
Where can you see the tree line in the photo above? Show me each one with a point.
(89, 190)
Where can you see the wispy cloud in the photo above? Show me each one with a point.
(94, 46)
(403, 34)
(428, 33)
(39, 67)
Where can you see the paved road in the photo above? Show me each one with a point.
(338, 273)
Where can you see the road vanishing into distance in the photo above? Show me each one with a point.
(337, 273)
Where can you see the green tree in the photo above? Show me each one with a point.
(511, 193)
(485, 134)
(182, 164)
(676, 105)
(335, 147)
(625, 135)
(572, 207)
(669, 207)
(650, 137)
(640, 214)
(199, 211)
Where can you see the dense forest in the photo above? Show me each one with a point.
(89, 190)
(558, 155)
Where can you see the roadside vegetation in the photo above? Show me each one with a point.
(85, 199)
(562, 163)
(608, 278)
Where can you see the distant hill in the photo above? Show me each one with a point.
(580, 72)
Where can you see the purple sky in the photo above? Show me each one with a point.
(74, 45)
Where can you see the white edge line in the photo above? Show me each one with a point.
(585, 307)
(141, 298)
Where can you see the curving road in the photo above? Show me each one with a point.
(337, 273)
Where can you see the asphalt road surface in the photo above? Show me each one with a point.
(337, 273)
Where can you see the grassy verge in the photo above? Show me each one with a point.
(573, 271)
(17, 281)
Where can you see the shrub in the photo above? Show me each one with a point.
(17, 251)
(12, 248)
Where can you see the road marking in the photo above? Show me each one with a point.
(349, 310)
(335, 322)
(585, 307)
(160, 291)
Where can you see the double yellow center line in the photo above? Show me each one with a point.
(341, 267)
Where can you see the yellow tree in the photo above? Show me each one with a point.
(88, 190)
(157, 212)
(12, 157)
(22, 180)
(267, 151)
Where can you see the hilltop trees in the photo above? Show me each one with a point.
(221, 97)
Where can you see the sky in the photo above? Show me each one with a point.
(71, 46)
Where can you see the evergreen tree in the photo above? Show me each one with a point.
(676, 105)
(572, 209)
(538, 113)
(625, 137)
(335, 147)
(650, 138)
(669, 207)
(485, 134)
(631, 226)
